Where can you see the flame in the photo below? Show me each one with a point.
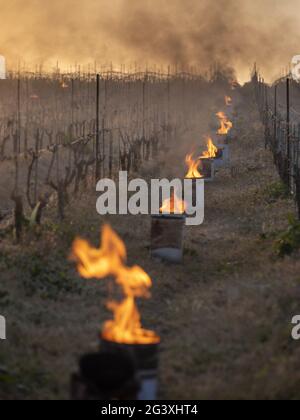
(193, 170)
(64, 85)
(110, 260)
(228, 100)
(226, 125)
(211, 151)
(173, 205)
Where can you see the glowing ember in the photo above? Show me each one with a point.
(228, 100)
(110, 260)
(173, 205)
(226, 125)
(193, 167)
(212, 150)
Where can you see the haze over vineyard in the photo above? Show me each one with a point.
(152, 32)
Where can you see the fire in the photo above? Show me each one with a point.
(226, 125)
(64, 85)
(173, 205)
(211, 151)
(110, 261)
(228, 100)
(193, 167)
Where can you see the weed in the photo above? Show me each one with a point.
(47, 276)
(276, 191)
(288, 241)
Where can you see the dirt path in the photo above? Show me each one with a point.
(224, 316)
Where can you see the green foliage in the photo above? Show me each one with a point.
(48, 276)
(190, 252)
(276, 191)
(288, 241)
(64, 231)
(23, 377)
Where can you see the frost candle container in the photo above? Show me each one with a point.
(145, 358)
(167, 237)
(207, 169)
(122, 336)
(225, 138)
(222, 159)
(106, 375)
(221, 139)
(194, 197)
(225, 127)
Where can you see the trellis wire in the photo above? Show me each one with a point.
(60, 114)
(282, 129)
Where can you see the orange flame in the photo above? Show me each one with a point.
(226, 125)
(211, 151)
(173, 205)
(110, 260)
(193, 167)
(228, 100)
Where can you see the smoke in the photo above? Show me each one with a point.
(177, 32)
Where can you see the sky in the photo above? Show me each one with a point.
(187, 33)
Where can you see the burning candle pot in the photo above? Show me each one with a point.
(105, 376)
(225, 124)
(123, 338)
(167, 238)
(167, 231)
(225, 129)
(193, 174)
(207, 160)
(208, 169)
(145, 359)
(223, 156)
(223, 138)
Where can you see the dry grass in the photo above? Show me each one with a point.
(224, 316)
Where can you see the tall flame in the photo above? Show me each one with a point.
(173, 205)
(211, 151)
(110, 260)
(226, 125)
(193, 167)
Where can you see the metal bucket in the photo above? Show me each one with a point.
(208, 169)
(167, 238)
(223, 157)
(145, 357)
